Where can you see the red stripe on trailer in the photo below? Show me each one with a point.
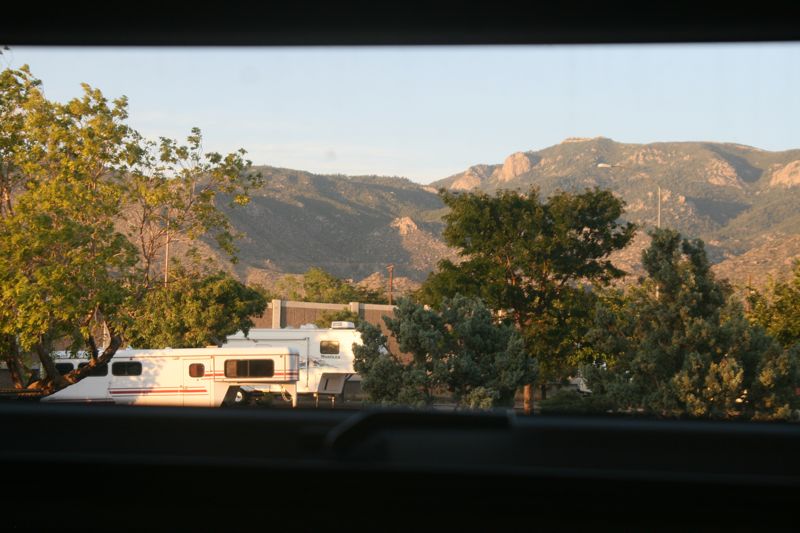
(144, 390)
(275, 375)
(158, 388)
(157, 391)
(80, 400)
(117, 394)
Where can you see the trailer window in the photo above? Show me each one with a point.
(329, 347)
(197, 370)
(64, 368)
(249, 368)
(126, 369)
(98, 371)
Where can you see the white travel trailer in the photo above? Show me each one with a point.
(205, 377)
(326, 356)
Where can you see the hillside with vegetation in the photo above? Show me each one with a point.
(740, 200)
(350, 226)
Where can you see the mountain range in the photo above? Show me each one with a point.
(742, 201)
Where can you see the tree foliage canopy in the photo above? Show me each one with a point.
(679, 345)
(459, 349)
(317, 285)
(86, 205)
(171, 195)
(328, 317)
(194, 311)
(526, 258)
(777, 309)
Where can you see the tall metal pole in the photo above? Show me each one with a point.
(390, 268)
(658, 220)
(166, 262)
(658, 225)
(166, 254)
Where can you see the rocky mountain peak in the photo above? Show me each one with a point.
(515, 165)
(720, 172)
(401, 285)
(404, 225)
(472, 178)
(786, 176)
(583, 139)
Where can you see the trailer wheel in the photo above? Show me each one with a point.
(233, 398)
(241, 398)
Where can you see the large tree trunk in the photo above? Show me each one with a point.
(93, 351)
(80, 373)
(10, 355)
(527, 399)
(54, 380)
(110, 350)
(15, 371)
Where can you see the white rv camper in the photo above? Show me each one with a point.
(205, 377)
(325, 356)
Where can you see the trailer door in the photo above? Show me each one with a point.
(197, 382)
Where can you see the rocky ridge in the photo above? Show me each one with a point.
(742, 201)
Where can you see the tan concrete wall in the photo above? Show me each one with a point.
(293, 314)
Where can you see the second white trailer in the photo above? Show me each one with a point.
(325, 361)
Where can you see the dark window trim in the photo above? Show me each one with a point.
(61, 368)
(126, 368)
(98, 371)
(242, 368)
(194, 366)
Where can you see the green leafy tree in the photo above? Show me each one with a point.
(288, 287)
(778, 309)
(62, 259)
(459, 349)
(65, 261)
(328, 317)
(321, 286)
(317, 285)
(17, 88)
(194, 310)
(528, 259)
(171, 196)
(678, 345)
(384, 376)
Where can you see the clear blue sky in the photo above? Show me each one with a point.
(426, 113)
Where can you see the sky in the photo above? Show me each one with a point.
(429, 112)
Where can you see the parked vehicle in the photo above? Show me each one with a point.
(207, 377)
(325, 358)
(291, 362)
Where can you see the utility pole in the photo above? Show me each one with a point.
(390, 268)
(749, 293)
(658, 225)
(658, 219)
(166, 254)
(166, 262)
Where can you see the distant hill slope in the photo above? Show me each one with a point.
(349, 226)
(742, 201)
